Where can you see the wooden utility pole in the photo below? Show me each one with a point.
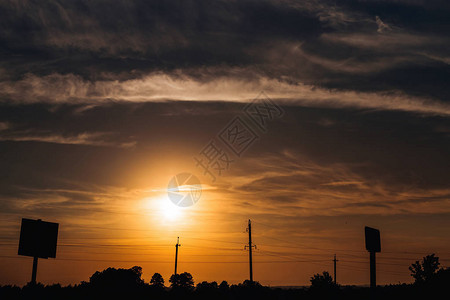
(334, 261)
(250, 248)
(176, 254)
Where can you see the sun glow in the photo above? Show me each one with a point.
(169, 210)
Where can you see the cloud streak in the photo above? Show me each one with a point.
(58, 88)
(91, 139)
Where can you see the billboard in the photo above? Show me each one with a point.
(373, 243)
(38, 238)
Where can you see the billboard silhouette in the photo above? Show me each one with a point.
(38, 238)
(373, 243)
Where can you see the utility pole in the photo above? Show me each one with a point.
(334, 261)
(250, 247)
(176, 253)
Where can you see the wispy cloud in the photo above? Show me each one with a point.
(382, 27)
(91, 139)
(303, 187)
(161, 87)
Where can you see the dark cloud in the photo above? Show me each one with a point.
(420, 15)
(327, 44)
(89, 37)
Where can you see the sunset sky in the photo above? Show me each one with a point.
(103, 102)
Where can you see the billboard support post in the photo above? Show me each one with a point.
(373, 270)
(33, 274)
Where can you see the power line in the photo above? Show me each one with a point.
(336, 249)
(168, 262)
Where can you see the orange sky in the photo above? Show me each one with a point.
(139, 226)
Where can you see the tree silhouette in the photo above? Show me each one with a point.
(322, 281)
(442, 277)
(424, 271)
(206, 286)
(224, 286)
(249, 283)
(183, 281)
(117, 278)
(157, 280)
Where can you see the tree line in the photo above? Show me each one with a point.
(429, 279)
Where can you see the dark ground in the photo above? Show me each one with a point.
(241, 291)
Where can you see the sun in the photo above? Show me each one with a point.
(163, 210)
(169, 210)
